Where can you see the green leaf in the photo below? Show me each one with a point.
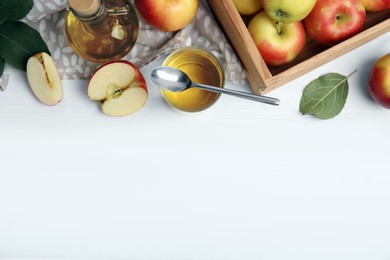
(2, 66)
(18, 42)
(14, 9)
(326, 96)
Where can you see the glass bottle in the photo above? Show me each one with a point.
(101, 30)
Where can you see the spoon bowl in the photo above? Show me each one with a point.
(170, 79)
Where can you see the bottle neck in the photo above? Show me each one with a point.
(98, 23)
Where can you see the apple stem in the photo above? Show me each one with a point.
(278, 27)
(353, 72)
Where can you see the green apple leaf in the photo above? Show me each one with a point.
(325, 96)
(14, 9)
(4, 77)
(18, 42)
(2, 66)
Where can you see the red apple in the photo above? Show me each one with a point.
(331, 22)
(379, 82)
(376, 5)
(168, 15)
(277, 43)
(119, 87)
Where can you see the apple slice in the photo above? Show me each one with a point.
(44, 79)
(119, 87)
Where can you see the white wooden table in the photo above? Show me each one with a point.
(242, 180)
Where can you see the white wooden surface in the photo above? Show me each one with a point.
(242, 180)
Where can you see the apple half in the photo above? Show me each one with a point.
(44, 79)
(119, 88)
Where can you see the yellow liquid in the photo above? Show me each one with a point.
(201, 67)
(101, 47)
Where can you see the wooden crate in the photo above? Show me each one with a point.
(264, 79)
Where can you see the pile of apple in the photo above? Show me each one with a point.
(280, 28)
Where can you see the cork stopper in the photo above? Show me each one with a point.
(85, 7)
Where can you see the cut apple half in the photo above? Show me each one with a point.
(119, 87)
(44, 79)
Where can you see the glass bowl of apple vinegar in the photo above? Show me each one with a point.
(201, 67)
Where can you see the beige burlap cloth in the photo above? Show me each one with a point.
(48, 17)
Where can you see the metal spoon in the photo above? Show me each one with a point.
(175, 80)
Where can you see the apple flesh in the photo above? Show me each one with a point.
(168, 15)
(44, 79)
(379, 81)
(376, 5)
(277, 43)
(119, 87)
(288, 11)
(331, 22)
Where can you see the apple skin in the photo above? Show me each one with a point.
(120, 90)
(376, 5)
(247, 7)
(138, 75)
(44, 79)
(168, 15)
(288, 11)
(379, 81)
(331, 22)
(277, 48)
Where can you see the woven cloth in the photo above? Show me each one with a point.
(48, 17)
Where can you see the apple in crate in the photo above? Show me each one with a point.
(119, 87)
(288, 11)
(168, 15)
(277, 43)
(247, 7)
(379, 81)
(44, 79)
(331, 22)
(376, 5)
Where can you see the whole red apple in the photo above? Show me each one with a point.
(331, 22)
(379, 82)
(277, 43)
(376, 5)
(168, 15)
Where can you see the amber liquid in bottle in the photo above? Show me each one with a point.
(107, 35)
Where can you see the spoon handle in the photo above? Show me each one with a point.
(236, 93)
